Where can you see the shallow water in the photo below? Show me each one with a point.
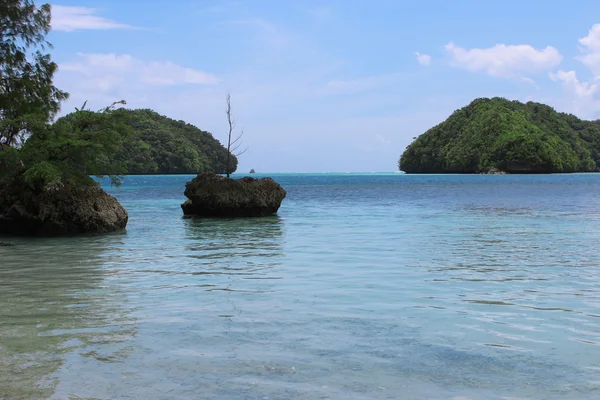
(372, 286)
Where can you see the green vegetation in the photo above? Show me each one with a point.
(506, 135)
(27, 96)
(45, 167)
(36, 152)
(161, 145)
(68, 151)
(32, 150)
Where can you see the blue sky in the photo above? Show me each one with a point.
(326, 86)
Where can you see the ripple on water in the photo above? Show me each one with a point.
(364, 287)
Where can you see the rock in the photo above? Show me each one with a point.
(495, 171)
(211, 195)
(252, 171)
(59, 210)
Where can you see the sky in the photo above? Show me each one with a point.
(325, 85)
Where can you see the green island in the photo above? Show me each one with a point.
(495, 135)
(160, 145)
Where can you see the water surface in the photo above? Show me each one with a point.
(370, 286)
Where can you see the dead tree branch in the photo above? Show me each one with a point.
(234, 145)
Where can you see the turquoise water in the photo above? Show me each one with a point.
(372, 286)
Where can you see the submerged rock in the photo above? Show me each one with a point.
(211, 195)
(59, 210)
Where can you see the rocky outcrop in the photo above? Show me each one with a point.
(59, 210)
(211, 195)
(494, 171)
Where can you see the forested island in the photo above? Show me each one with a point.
(498, 135)
(157, 144)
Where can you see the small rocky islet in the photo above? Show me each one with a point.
(211, 195)
(59, 209)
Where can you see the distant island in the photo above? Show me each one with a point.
(495, 135)
(156, 144)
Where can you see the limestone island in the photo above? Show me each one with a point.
(495, 135)
(157, 144)
(212, 195)
(45, 184)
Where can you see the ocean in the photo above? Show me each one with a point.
(364, 286)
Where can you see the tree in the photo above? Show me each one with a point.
(236, 143)
(69, 151)
(33, 150)
(27, 95)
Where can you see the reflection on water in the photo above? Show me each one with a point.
(213, 255)
(244, 248)
(365, 287)
(56, 299)
(212, 240)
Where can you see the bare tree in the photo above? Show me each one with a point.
(234, 145)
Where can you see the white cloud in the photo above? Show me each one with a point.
(590, 47)
(583, 97)
(570, 81)
(104, 71)
(423, 59)
(168, 73)
(69, 19)
(504, 61)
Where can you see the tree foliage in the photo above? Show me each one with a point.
(157, 144)
(27, 95)
(34, 151)
(506, 135)
(68, 151)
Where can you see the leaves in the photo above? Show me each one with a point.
(32, 149)
(42, 174)
(26, 89)
(158, 144)
(507, 135)
(73, 148)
